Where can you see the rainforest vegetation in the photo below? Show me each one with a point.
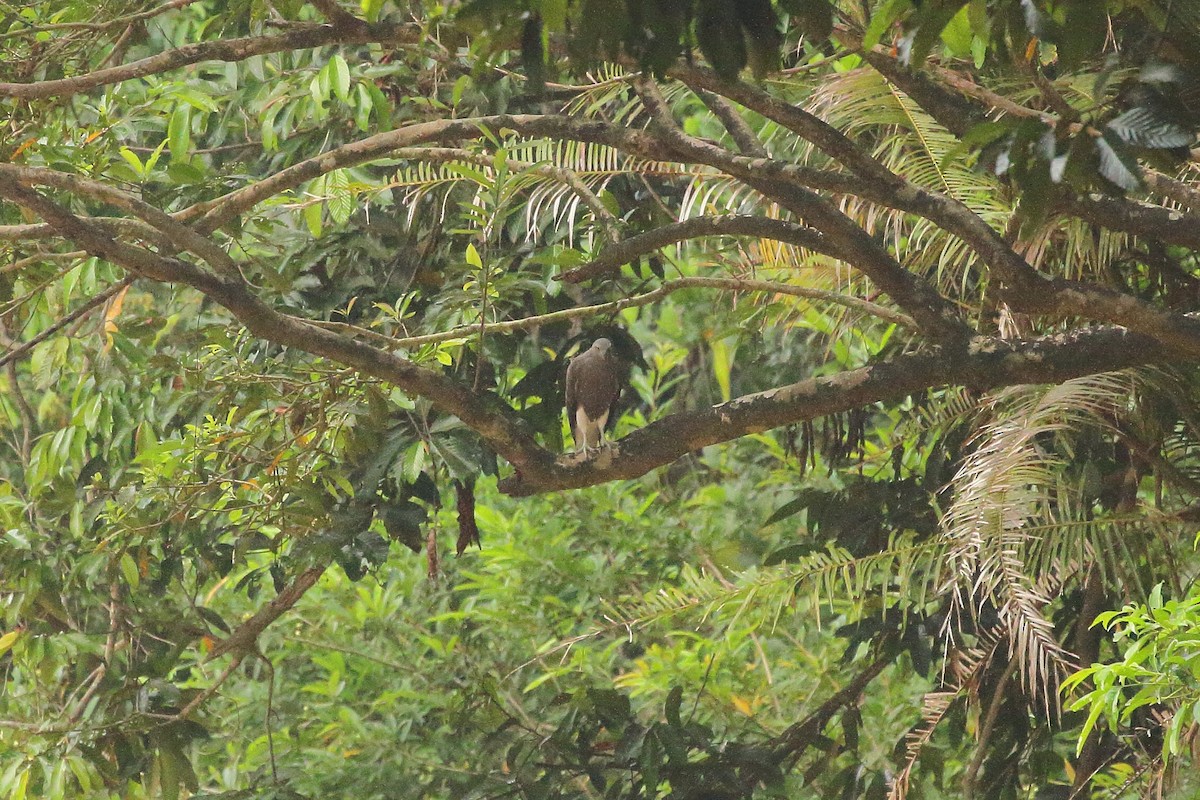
(901, 496)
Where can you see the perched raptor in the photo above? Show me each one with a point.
(593, 386)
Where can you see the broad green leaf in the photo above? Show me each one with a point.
(179, 132)
(129, 569)
(135, 162)
(341, 78)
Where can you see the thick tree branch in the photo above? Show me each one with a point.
(179, 234)
(484, 413)
(225, 50)
(1160, 224)
(854, 245)
(990, 363)
(113, 226)
(739, 130)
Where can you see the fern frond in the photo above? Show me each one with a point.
(834, 576)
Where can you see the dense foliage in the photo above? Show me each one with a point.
(906, 295)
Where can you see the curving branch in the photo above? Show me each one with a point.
(223, 50)
(987, 364)
(177, 233)
(486, 414)
(854, 245)
(616, 306)
(18, 351)
(613, 257)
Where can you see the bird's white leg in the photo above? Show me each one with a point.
(600, 423)
(581, 430)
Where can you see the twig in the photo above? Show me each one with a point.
(985, 730)
(37, 258)
(616, 306)
(199, 699)
(228, 50)
(243, 640)
(94, 27)
(91, 305)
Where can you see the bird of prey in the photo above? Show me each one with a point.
(593, 386)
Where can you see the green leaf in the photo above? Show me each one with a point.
(341, 78)
(371, 9)
(790, 508)
(958, 34)
(925, 26)
(313, 218)
(133, 161)
(129, 569)
(341, 199)
(723, 351)
(882, 21)
(179, 132)
(9, 639)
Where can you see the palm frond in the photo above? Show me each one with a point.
(1003, 486)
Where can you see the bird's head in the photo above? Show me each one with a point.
(602, 346)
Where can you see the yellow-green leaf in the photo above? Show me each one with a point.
(341, 78)
(130, 571)
(9, 639)
(179, 132)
